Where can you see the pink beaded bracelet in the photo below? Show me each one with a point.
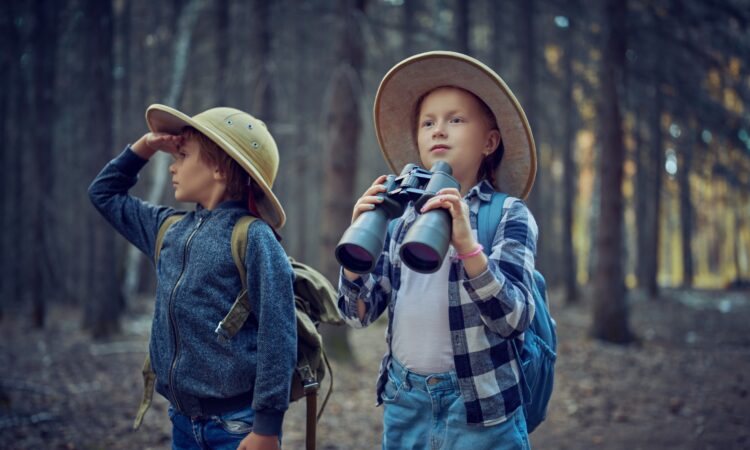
(474, 252)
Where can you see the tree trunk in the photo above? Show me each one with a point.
(610, 314)
(738, 221)
(528, 83)
(294, 232)
(462, 27)
(104, 305)
(123, 65)
(570, 175)
(341, 153)
(528, 60)
(686, 209)
(222, 48)
(160, 161)
(410, 9)
(499, 39)
(45, 32)
(27, 187)
(10, 101)
(261, 51)
(642, 175)
(650, 258)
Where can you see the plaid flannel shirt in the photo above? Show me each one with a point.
(485, 312)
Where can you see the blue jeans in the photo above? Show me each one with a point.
(427, 412)
(220, 432)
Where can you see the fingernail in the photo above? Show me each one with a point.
(422, 210)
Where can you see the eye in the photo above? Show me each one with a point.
(457, 120)
(428, 123)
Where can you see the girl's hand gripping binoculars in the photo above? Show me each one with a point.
(426, 241)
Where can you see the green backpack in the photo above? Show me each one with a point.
(314, 299)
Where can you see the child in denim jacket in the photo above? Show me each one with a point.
(223, 395)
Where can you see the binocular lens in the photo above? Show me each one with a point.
(426, 242)
(354, 258)
(420, 257)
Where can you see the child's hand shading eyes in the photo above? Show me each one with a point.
(165, 142)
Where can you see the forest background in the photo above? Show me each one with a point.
(637, 108)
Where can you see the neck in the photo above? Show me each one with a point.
(214, 199)
(466, 184)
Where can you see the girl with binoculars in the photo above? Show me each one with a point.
(450, 377)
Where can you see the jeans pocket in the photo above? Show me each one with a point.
(391, 390)
(237, 422)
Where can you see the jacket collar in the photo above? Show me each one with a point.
(226, 205)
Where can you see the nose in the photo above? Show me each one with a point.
(172, 168)
(438, 130)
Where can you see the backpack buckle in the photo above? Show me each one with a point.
(309, 383)
(222, 334)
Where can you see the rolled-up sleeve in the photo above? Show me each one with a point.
(374, 289)
(503, 292)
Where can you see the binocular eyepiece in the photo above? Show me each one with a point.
(426, 241)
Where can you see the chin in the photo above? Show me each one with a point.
(429, 162)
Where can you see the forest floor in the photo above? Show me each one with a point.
(684, 385)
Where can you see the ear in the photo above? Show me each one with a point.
(491, 143)
(219, 175)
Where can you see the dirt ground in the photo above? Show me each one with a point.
(683, 386)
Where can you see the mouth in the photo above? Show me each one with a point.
(440, 148)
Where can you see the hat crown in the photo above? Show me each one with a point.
(246, 139)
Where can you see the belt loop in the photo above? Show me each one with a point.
(454, 381)
(404, 375)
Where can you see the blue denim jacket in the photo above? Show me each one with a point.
(197, 282)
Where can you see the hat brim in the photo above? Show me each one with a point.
(162, 118)
(412, 78)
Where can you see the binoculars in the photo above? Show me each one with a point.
(427, 240)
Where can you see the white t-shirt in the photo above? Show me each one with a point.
(421, 332)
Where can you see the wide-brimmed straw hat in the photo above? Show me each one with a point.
(244, 138)
(408, 81)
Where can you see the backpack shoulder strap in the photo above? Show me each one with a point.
(488, 219)
(240, 310)
(162, 232)
(149, 377)
(239, 245)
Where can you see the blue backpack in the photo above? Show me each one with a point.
(537, 352)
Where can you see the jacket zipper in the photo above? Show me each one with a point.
(172, 320)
